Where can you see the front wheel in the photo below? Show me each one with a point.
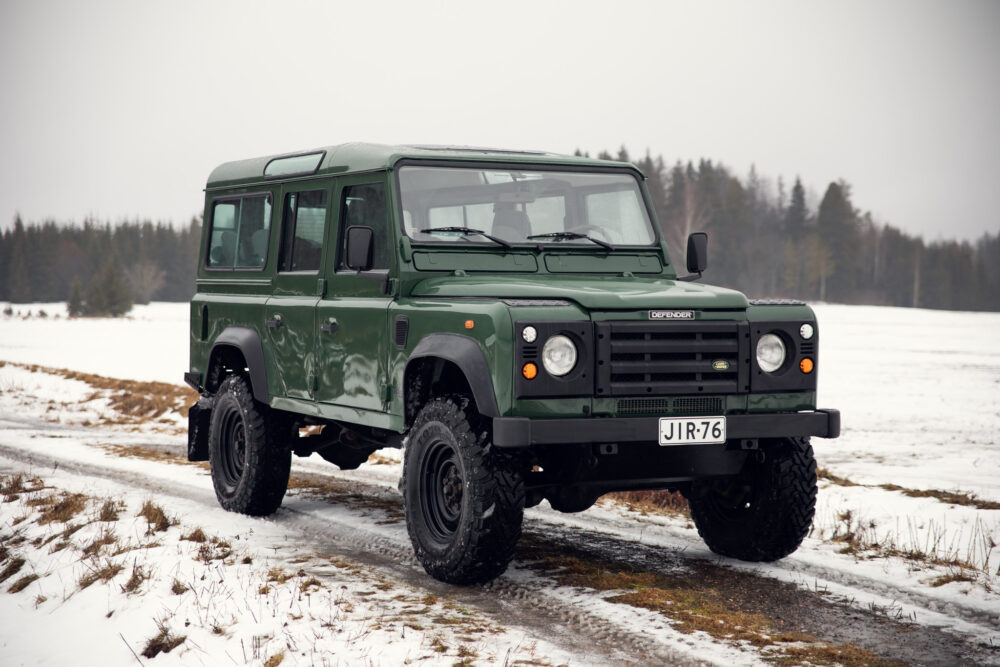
(248, 450)
(464, 498)
(764, 513)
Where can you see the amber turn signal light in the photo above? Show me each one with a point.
(806, 365)
(469, 324)
(529, 371)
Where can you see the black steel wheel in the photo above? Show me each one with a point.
(248, 451)
(464, 498)
(764, 513)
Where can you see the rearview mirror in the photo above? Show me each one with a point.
(360, 245)
(697, 257)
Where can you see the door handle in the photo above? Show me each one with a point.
(274, 323)
(330, 326)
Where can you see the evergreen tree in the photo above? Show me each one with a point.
(797, 215)
(75, 306)
(108, 294)
(836, 223)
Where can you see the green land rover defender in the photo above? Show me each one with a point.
(514, 322)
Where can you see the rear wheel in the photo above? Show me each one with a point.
(764, 513)
(248, 451)
(464, 498)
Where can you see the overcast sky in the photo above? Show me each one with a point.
(121, 108)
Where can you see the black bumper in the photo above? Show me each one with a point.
(524, 432)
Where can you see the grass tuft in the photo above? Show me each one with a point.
(162, 642)
(109, 511)
(22, 583)
(105, 538)
(61, 508)
(178, 587)
(275, 659)
(13, 567)
(155, 516)
(196, 535)
(653, 502)
(104, 573)
(139, 575)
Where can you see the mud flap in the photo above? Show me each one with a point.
(199, 416)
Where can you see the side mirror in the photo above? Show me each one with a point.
(360, 246)
(697, 258)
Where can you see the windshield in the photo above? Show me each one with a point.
(471, 205)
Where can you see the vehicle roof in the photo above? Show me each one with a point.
(361, 157)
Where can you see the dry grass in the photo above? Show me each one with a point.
(275, 659)
(178, 587)
(162, 642)
(653, 502)
(214, 549)
(59, 507)
(156, 517)
(22, 583)
(12, 568)
(139, 575)
(109, 511)
(98, 572)
(949, 497)
(105, 538)
(196, 535)
(724, 604)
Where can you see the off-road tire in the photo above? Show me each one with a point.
(248, 451)
(764, 513)
(464, 498)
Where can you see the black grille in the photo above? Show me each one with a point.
(402, 331)
(663, 358)
(687, 405)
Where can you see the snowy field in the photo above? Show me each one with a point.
(908, 516)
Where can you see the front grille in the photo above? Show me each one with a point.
(685, 405)
(664, 358)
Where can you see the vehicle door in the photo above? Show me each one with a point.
(290, 313)
(353, 317)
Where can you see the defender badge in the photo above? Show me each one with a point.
(720, 365)
(671, 314)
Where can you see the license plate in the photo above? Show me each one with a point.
(692, 430)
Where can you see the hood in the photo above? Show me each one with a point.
(591, 292)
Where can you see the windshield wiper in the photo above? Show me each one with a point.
(467, 230)
(571, 235)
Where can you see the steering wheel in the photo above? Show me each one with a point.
(592, 228)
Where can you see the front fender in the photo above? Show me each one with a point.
(468, 355)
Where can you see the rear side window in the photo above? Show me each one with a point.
(304, 222)
(240, 233)
(364, 205)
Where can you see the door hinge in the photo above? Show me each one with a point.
(386, 394)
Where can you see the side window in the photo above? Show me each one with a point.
(364, 205)
(240, 233)
(304, 221)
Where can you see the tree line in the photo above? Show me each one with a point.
(765, 242)
(98, 268)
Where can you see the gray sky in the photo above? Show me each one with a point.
(121, 108)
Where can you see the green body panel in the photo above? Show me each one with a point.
(354, 372)
(593, 292)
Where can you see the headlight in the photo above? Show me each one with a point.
(770, 352)
(559, 355)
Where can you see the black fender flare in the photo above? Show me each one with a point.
(467, 354)
(247, 341)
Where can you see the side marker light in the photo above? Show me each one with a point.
(529, 371)
(806, 365)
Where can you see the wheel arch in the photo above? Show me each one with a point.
(447, 354)
(246, 343)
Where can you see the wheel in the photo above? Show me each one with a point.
(464, 498)
(248, 451)
(764, 513)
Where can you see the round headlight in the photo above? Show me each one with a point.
(559, 355)
(529, 334)
(806, 331)
(770, 352)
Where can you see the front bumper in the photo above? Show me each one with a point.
(525, 432)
